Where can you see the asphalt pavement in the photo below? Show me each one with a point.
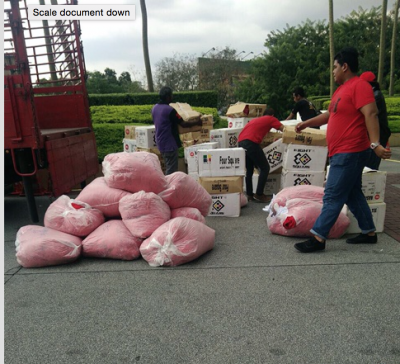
(252, 299)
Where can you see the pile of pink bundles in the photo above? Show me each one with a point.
(106, 199)
(112, 240)
(134, 172)
(178, 241)
(307, 192)
(189, 212)
(184, 191)
(299, 216)
(72, 217)
(143, 212)
(38, 246)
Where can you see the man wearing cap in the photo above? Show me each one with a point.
(384, 132)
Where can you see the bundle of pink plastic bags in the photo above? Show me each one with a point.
(133, 211)
(294, 210)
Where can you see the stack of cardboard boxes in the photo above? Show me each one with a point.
(129, 141)
(195, 134)
(221, 172)
(241, 113)
(304, 157)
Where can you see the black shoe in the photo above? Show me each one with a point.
(250, 197)
(262, 198)
(363, 239)
(310, 245)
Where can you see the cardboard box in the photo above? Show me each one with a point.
(271, 137)
(299, 178)
(149, 150)
(221, 162)
(274, 154)
(208, 121)
(378, 211)
(129, 145)
(373, 184)
(243, 109)
(273, 185)
(238, 122)
(222, 185)
(308, 136)
(304, 158)
(185, 111)
(190, 154)
(130, 132)
(226, 137)
(146, 136)
(194, 175)
(226, 205)
(183, 130)
(196, 135)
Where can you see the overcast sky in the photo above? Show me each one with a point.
(195, 26)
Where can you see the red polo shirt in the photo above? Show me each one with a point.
(256, 129)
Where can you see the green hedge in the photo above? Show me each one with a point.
(133, 114)
(193, 98)
(318, 101)
(108, 138)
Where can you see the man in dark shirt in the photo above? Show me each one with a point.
(384, 132)
(166, 121)
(303, 106)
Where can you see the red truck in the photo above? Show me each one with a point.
(47, 125)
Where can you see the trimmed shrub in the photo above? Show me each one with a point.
(193, 98)
(133, 114)
(318, 101)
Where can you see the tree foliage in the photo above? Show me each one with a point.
(107, 82)
(299, 56)
(178, 72)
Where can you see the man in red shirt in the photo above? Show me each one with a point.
(353, 129)
(250, 139)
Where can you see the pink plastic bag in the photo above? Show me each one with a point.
(189, 212)
(38, 246)
(176, 242)
(243, 200)
(106, 199)
(72, 217)
(112, 240)
(307, 192)
(138, 171)
(299, 216)
(184, 191)
(143, 212)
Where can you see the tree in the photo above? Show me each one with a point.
(124, 78)
(299, 56)
(331, 45)
(382, 42)
(393, 48)
(146, 46)
(107, 82)
(111, 76)
(179, 72)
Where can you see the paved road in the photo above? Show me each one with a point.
(253, 299)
